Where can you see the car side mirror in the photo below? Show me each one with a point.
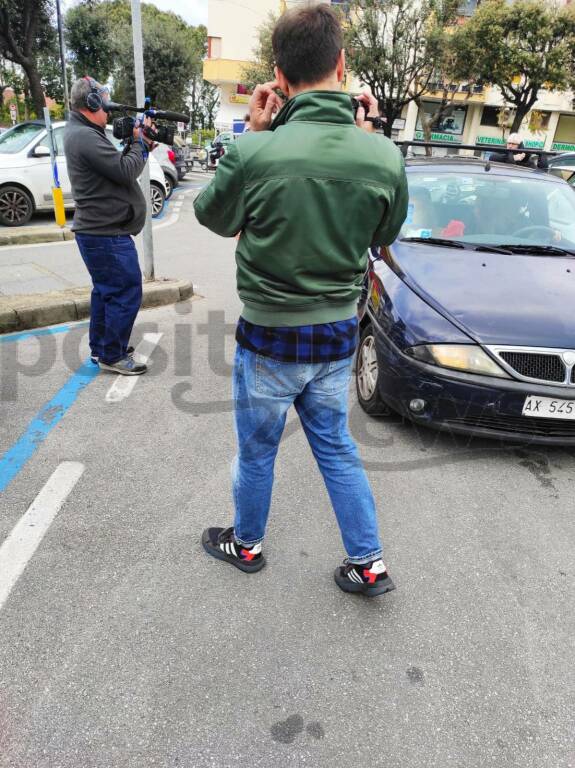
(41, 151)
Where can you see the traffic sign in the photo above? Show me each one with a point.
(14, 113)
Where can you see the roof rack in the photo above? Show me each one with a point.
(403, 145)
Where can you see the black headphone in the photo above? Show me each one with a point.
(94, 98)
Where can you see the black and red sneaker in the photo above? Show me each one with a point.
(221, 543)
(369, 579)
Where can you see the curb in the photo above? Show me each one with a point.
(37, 235)
(19, 313)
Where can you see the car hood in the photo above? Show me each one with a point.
(495, 298)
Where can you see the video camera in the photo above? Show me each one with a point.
(123, 127)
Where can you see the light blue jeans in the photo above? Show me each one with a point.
(264, 389)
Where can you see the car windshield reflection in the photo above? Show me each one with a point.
(490, 210)
(18, 137)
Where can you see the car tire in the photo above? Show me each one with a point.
(170, 185)
(16, 206)
(158, 196)
(367, 375)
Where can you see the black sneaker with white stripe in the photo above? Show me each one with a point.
(368, 579)
(221, 543)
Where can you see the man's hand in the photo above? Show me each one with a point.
(368, 108)
(263, 103)
(139, 133)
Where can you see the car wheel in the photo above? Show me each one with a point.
(158, 197)
(169, 186)
(16, 206)
(367, 375)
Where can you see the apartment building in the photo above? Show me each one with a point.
(232, 37)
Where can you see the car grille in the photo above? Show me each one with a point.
(544, 367)
(518, 425)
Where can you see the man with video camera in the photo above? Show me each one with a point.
(310, 191)
(110, 209)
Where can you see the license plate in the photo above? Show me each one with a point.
(549, 408)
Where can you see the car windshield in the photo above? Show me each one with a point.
(484, 209)
(18, 137)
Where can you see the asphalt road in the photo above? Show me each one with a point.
(125, 646)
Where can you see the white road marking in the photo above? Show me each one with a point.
(123, 385)
(29, 531)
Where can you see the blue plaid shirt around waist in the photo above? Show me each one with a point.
(300, 344)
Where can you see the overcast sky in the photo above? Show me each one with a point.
(195, 12)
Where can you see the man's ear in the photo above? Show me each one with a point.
(282, 81)
(340, 68)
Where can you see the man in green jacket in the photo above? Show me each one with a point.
(309, 192)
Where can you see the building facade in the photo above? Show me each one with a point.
(232, 37)
(476, 114)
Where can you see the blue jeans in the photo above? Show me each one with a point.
(264, 389)
(116, 295)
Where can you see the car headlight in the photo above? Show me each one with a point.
(459, 357)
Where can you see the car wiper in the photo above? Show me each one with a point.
(435, 241)
(549, 250)
(493, 249)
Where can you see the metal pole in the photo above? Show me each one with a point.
(57, 194)
(63, 61)
(145, 178)
(50, 138)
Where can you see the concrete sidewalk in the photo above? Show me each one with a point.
(35, 233)
(47, 283)
(36, 310)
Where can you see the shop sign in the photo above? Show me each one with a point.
(239, 98)
(491, 140)
(496, 142)
(559, 146)
(449, 137)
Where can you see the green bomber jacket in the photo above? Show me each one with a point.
(309, 196)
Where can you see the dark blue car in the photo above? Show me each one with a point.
(470, 318)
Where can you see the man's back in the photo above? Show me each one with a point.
(311, 196)
(108, 198)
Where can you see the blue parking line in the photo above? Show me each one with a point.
(21, 335)
(44, 422)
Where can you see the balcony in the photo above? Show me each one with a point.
(457, 92)
(220, 71)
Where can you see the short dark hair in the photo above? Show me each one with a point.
(307, 43)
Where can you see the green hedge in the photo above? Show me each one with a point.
(56, 113)
(206, 135)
